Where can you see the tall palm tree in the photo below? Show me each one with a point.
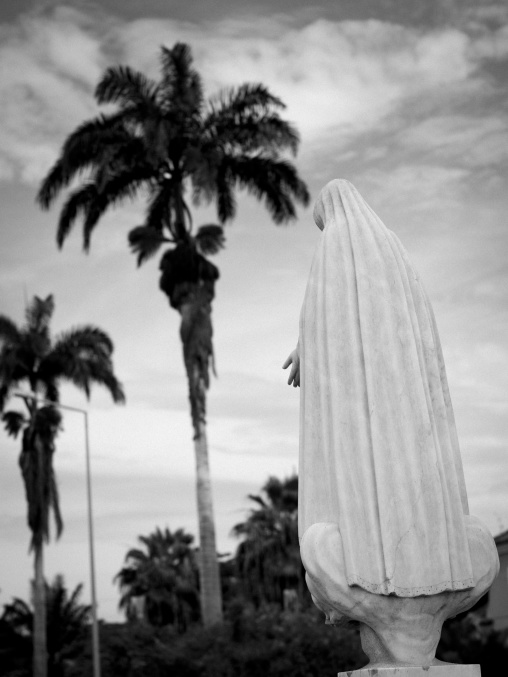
(164, 577)
(30, 358)
(268, 557)
(162, 142)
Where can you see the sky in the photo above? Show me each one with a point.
(406, 100)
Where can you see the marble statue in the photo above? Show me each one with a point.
(385, 532)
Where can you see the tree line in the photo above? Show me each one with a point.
(270, 625)
(160, 582)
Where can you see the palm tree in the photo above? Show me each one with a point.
(163, 581)
(66, 623)
(162, 141)
(268, 557)
(30, 358)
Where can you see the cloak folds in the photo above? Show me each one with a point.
(379, 453)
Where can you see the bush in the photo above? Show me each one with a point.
(269, 643)
(249, 644)
(471, 639)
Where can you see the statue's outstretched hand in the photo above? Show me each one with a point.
(294, 374)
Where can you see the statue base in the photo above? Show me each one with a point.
(446, 670)
(394, 631)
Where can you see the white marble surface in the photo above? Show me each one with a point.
(393, 629)
(379, 453)
(401, 671)
(386, 535)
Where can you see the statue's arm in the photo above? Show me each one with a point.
(294, 361)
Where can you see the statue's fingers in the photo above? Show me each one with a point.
(287, 362)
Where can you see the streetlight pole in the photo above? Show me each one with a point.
(95, 626)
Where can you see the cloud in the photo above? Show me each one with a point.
(344, 78)
(472, 141)
(331, 74)
(49, 65)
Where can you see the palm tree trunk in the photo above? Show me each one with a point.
(196, 335)
(211, 598)
(40, 654)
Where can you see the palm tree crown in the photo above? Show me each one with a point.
(29, 357)
(268, 556)
(164, 576)
(162, 135)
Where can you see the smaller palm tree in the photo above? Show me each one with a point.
(160, 584)
(268, 557)
(67, 621)
(31, 359)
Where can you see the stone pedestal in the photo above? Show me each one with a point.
(432, 671)
(398, 631)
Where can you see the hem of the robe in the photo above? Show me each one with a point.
(388, 588)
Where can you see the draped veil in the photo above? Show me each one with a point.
(379, 454)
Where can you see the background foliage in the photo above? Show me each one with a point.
(266, 632)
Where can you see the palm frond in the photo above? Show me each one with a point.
(19, 616)
(47, 421)
(210, 239)
(50, 388)
(226, 201)
(91, 202)
(145, 241)
(181, 85)
(246, 120)
(159, 211)
(73, 600)
(274, 181)
(86, 147)
(127, 87)
(14, 422)
(93, 212)
(79, 201)
(54, 501)
(9, 332)
(253, 133)
(93, 371)
(112, 186)
(38, 315)
(4, 394)
(84, 339)
(246, 96)
(136, 554)
(83, 356)
(36, 467)
(259, 500)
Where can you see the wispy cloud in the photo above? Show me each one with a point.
(343, 77)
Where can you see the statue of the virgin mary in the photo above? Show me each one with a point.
(379, 455)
